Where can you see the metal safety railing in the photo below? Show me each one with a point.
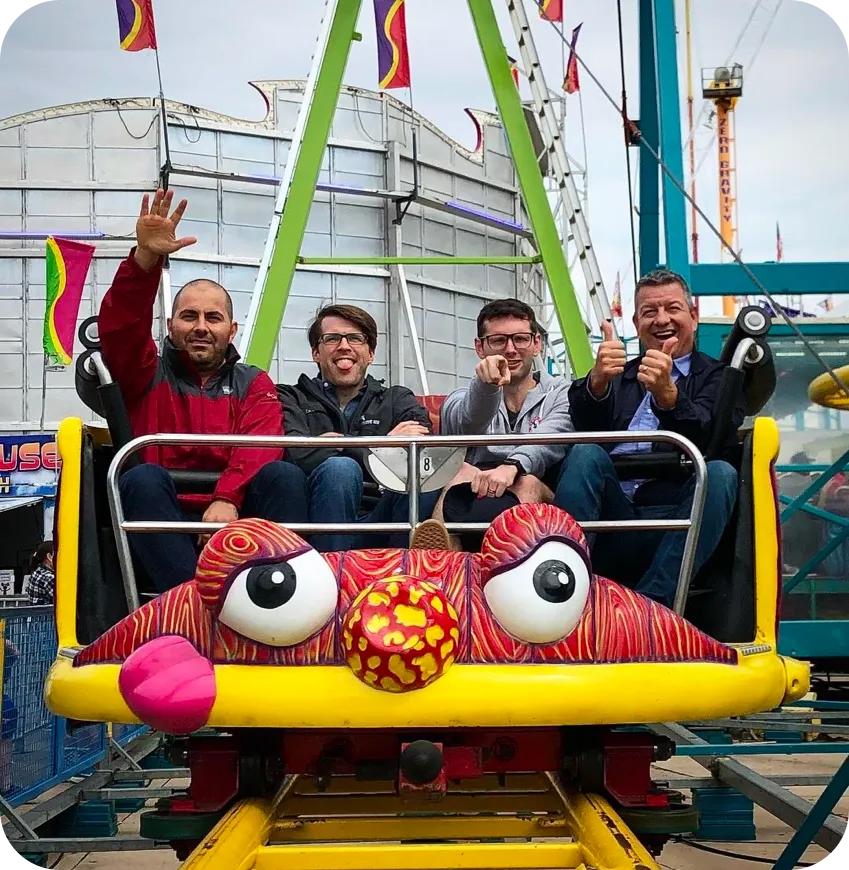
(413, 445)
(37, 749)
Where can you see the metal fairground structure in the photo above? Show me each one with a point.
(413, 708)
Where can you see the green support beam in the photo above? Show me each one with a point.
(418, 261)
(305, 173)
(541, 218)
(305, 176)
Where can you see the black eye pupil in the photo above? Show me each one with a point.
(271, 586)
(554, 581)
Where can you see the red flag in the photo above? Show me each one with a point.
(551, 10)
(393, 58)
(779, 245)
(571, 83)
(616, 304)
(135, 24)
(514, 70)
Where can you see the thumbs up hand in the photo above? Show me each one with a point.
(609, 361)
(655, 373)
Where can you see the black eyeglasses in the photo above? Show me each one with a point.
(498, 341)
(334, 339)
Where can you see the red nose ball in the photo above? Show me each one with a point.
(400, 634)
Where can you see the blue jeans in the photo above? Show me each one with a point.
(277, 492)
(335, 496)
(589, 490)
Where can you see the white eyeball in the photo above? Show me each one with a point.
(542, 599)
(282, 603)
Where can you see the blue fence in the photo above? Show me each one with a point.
(37, 749)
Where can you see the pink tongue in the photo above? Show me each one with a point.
(345, 365)
(169, 685)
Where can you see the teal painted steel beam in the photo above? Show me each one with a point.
(726, 749)
(532, 186)
(821, 810)
(649, 251)
(281, 271)
(797, 279)
(814, 638)
(677, 254)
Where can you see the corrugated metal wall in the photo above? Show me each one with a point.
(84, 167)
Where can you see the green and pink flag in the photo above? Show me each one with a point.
(67, 267)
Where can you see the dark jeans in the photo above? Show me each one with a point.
(276, 493)
(589, 490)
(335, 495)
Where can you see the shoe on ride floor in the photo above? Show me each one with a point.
(431, 535)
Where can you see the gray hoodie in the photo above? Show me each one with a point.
(479, 409)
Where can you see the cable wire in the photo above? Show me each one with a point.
(625, 132)
(749, 65)
(702, 847)
(713, 228)
(116, 104)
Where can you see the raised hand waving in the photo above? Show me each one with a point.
(156, 234)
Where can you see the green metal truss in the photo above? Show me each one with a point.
(285, 257)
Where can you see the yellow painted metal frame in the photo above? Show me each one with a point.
(575, 831)
(823, 391)
(70, 445)
(468, 695)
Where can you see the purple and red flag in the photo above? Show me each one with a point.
(67, 267)
(393, 59)
(551, 10)
(135, 24)
(571, 83)
(779, 245)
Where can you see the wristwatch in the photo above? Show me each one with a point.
(516, 464)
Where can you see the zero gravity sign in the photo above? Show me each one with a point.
(726, 201)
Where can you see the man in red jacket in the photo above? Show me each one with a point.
(195, 386)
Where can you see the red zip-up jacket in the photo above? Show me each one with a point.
(163, 392)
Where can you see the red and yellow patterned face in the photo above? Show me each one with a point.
(399, 619)
(400, 634)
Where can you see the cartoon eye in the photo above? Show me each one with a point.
(281, 603)
(542, 599)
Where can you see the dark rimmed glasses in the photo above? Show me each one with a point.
(334, 339)
(498, 341)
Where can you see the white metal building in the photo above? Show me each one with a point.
(82, 168)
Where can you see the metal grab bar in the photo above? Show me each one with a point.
(413, 444)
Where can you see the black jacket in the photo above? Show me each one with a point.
(692, 416)
(307, 411)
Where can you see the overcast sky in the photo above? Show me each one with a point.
(792, 129)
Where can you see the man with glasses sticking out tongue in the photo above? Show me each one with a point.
(506, 395)
(343, 399)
